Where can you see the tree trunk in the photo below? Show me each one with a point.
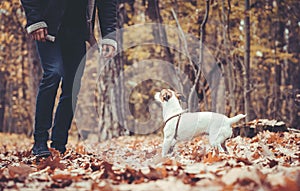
(247, 98)
(161, 39)
(294, 72)
(229, 78)
(159, 31)
(278, 47)
(2, 98)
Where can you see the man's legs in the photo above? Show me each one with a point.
(73, 51)
(51, 60)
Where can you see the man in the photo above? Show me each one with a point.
(60, 29)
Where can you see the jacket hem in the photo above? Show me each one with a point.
(110, 42)
(50, 38)
(36, 26)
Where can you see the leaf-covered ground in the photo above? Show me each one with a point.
(268, 161)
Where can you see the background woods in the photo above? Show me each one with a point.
(19, 71)
(255, 44)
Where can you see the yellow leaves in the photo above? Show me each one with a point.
(80, 149)
(13, 62)
(7, 6)
(23, 21)
(6, 38)
(269, 56)
(157, 49)
(10, 38)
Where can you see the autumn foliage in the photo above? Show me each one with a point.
(268, 161)
(274, 56)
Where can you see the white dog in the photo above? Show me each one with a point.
(181, 126)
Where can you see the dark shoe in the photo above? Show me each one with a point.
(61, 148)
(40, 149)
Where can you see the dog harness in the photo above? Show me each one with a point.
(178, 120)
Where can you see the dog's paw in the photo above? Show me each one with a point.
(168, 155)
(220, 148)
(209, 149)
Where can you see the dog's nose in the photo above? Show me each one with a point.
(166, 97)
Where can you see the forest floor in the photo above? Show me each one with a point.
(268, 161)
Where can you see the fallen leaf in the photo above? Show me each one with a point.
(52, 162)
(108, 172)
(156, 173)
(61, 184)
(211, 158)
(102, 186)
(190, 179)
(256, 155)
(19, 172)
(244, 160)
(272, 163)
(240, 175)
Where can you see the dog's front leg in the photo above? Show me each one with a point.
(173, 143)
(220, 148)
(166, 146)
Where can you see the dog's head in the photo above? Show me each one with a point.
(167, 94)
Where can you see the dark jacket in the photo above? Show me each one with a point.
(74, 14)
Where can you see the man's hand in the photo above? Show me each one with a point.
(108, 51)
(40, 34)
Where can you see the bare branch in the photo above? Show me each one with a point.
(185, 46)
(202, 37)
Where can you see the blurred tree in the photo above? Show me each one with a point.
(268, 73)
(111, 102)
(228, 65)
(18, 65)
(247, 69)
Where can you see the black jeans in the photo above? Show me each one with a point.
(60, 62)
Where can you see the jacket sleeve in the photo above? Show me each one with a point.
(107, 12)
(33, 13)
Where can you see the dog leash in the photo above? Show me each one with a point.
(178, 120)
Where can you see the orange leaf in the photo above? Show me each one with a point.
(210, 158)
(57, 177)
(274, 138)
(256, 155)
(158, 173)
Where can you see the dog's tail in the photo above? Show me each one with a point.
(236, 118)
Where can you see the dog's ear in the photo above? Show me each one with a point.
(180, 97)
(157, 96)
